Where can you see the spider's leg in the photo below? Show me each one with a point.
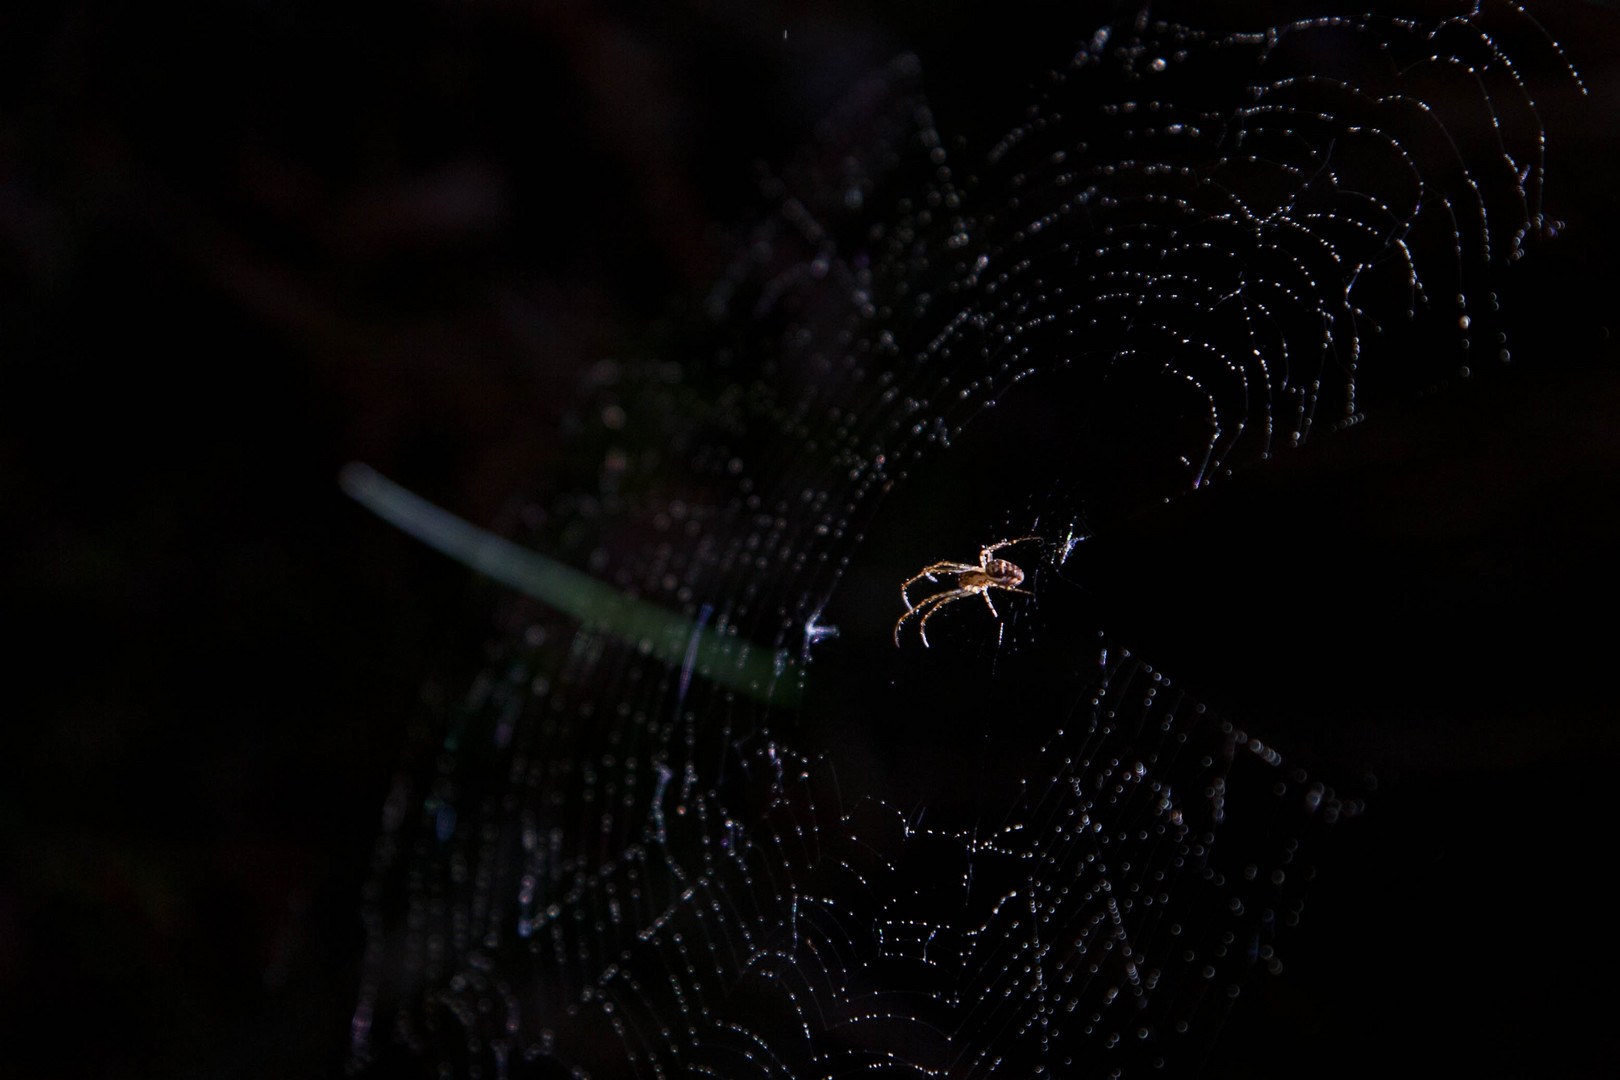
(1003, 588)
(940, 600)
(986, 552)
(929, 572)
(986, 594)
(910, 611)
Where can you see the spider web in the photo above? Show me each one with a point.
(773, 848)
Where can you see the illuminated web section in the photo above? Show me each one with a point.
(624, 918)
(632, 858)
(1227, 219)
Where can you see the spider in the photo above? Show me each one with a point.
(971, 580)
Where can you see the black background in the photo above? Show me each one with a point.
(245, 243)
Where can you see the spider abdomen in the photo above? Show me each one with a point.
(997, 572)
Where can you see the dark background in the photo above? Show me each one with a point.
(242, 244)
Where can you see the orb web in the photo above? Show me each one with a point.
(775, 845)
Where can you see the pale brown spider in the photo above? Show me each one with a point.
(970, 581)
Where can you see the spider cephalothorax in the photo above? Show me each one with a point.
(971, 580)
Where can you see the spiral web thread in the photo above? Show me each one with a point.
(619, 863)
